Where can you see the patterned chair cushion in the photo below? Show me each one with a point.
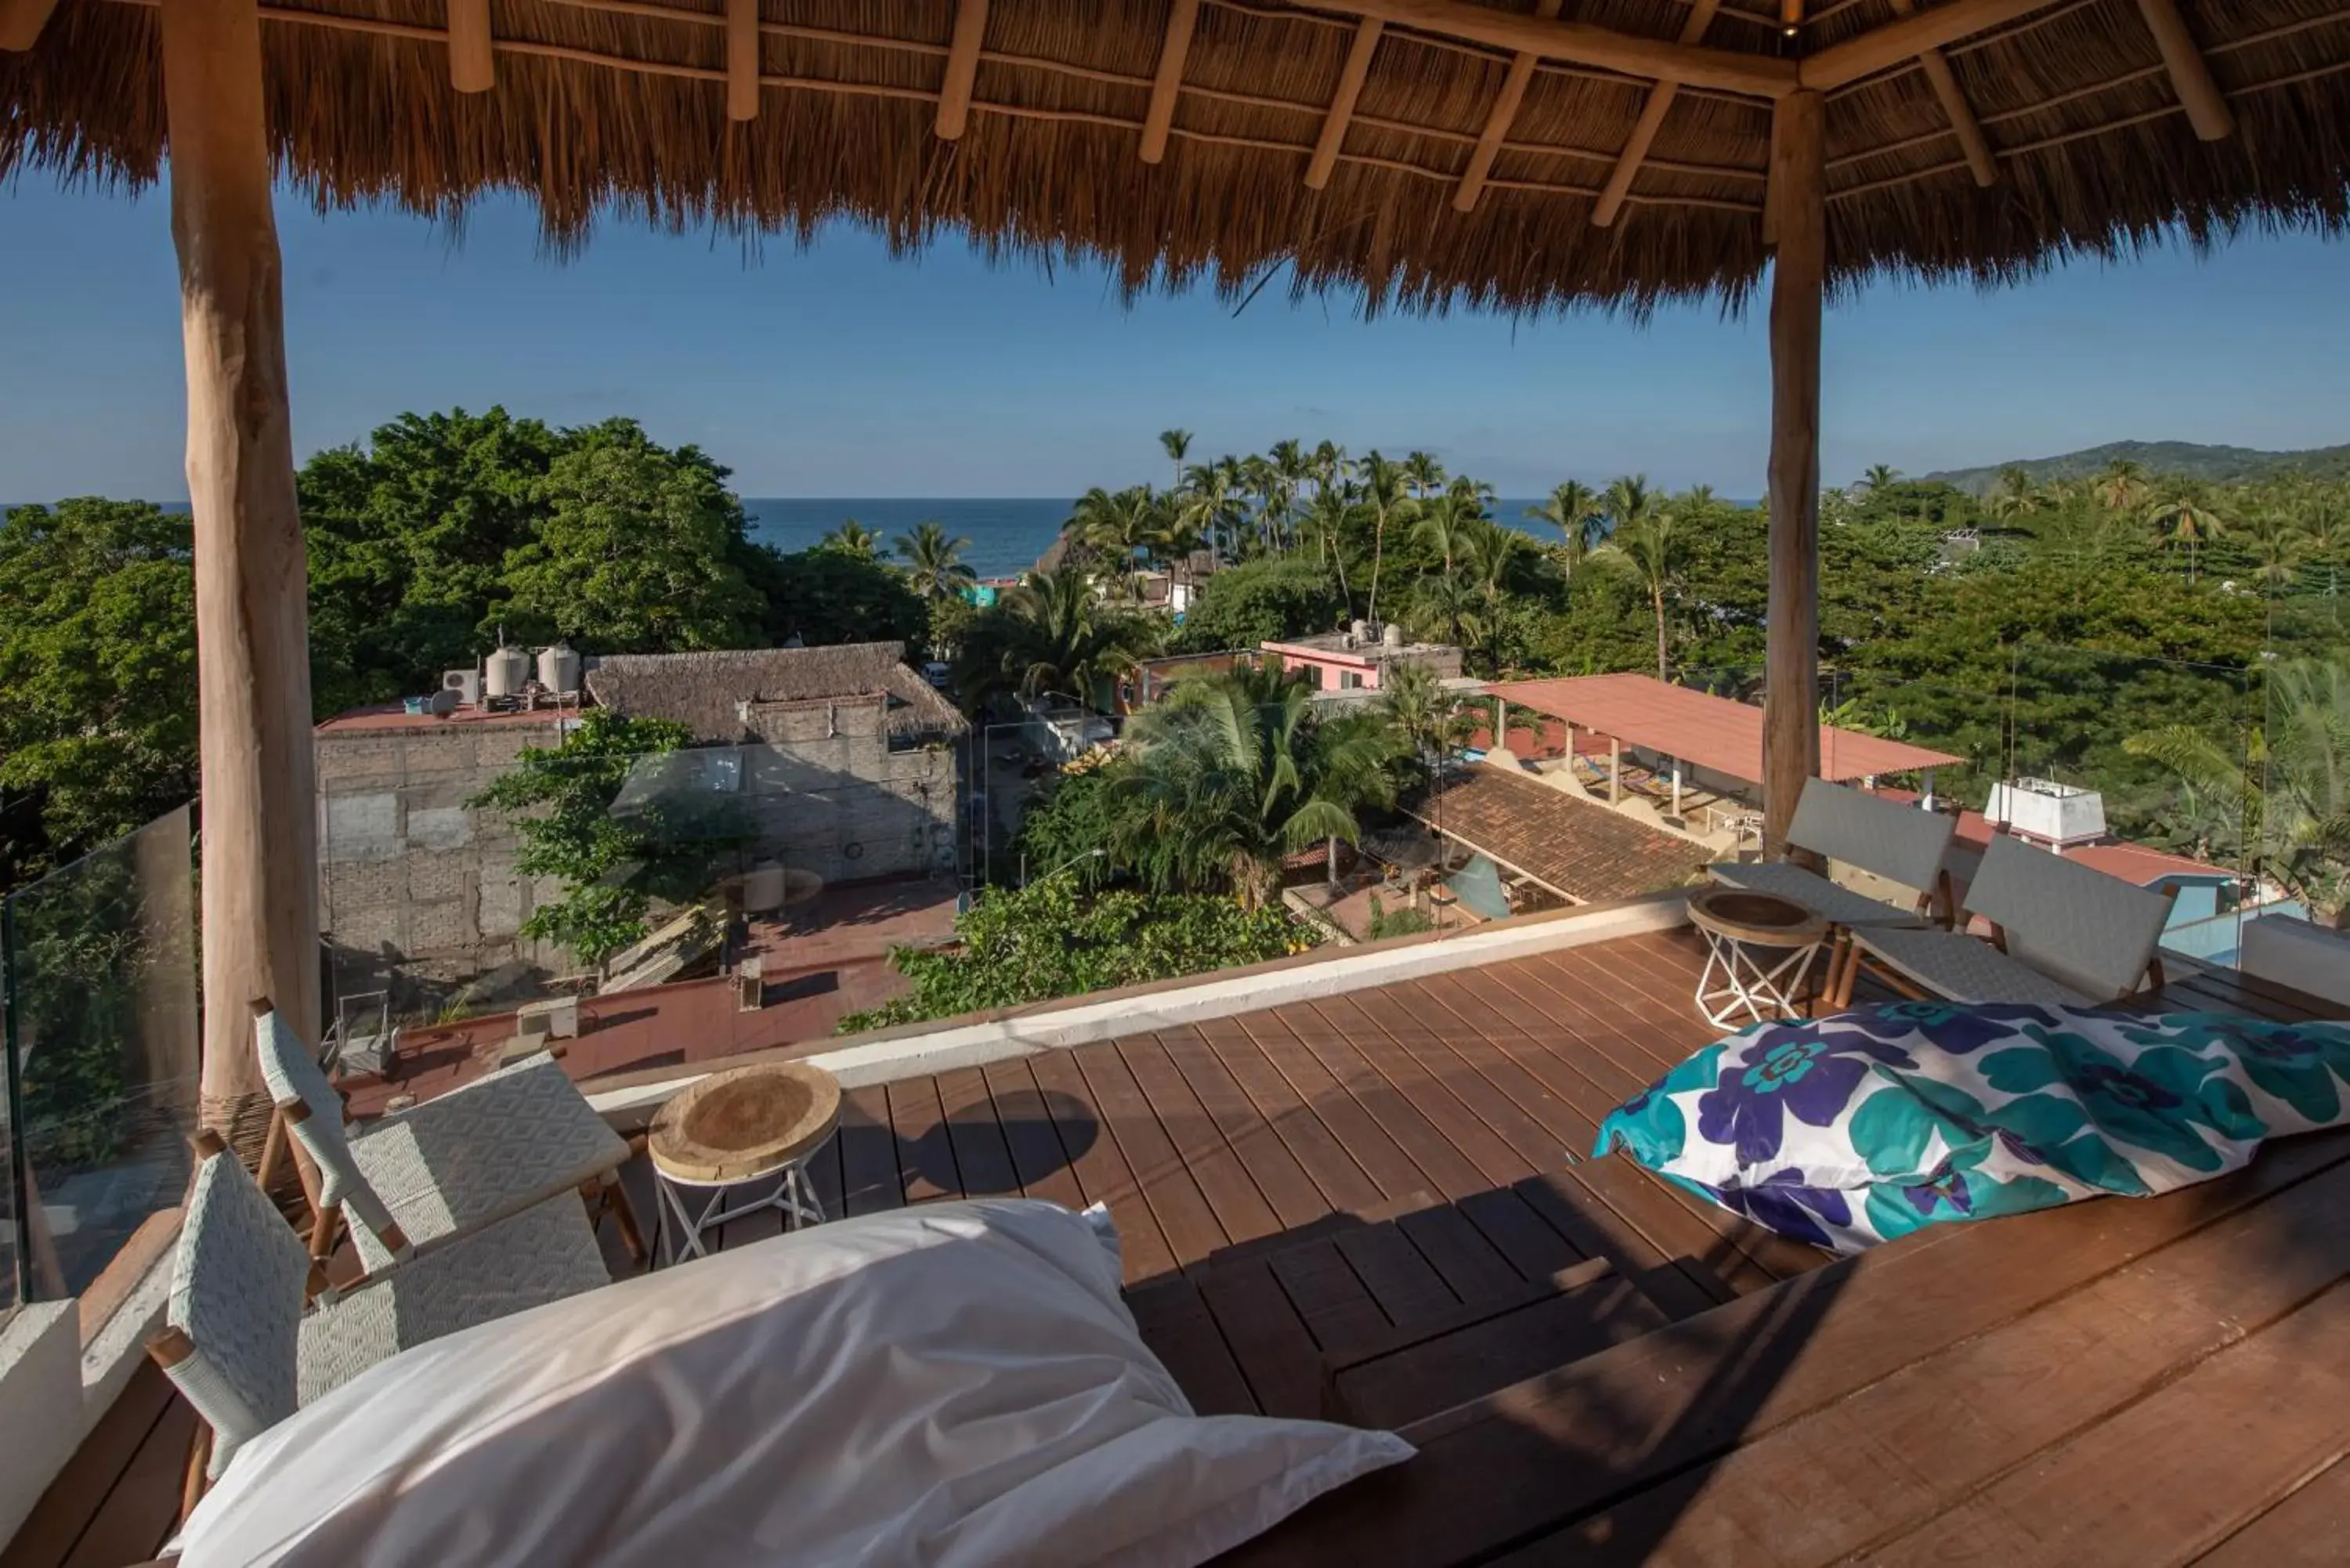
(1861, 1128)
(296, 1079)
(1814, 892)
(236, 1292)
(1960, 968)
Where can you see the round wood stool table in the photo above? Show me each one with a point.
(1762, 947)
(747, 1126)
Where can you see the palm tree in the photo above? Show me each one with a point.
(2182, 518)
(1325, 524)
(1234, 771)
(2014, 496)
(853, 538)
(1120, 526)
(1177, 445)
(1629, 500)
(1647, 547)
(1051, 633)
(1208, 503)
(1574, 510)
(1292, 467)
(1881, 478)
(2277, 544)
(933, 566)
(2122, 487)
(1386, 490)
(1423, 474)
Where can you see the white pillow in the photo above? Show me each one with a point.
(957, 1385)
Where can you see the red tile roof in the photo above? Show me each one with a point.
(1703, 730)
(1578, 850)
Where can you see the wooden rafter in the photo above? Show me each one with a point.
(1342, 105)
(473, 65)
(2190, 74)
(1898, 43)
(1651, 120)
(1955, 107)
(1583, 43)
(21, 22)
(1182, 18)
(742, 59)
(963, 67)
(1499, 120)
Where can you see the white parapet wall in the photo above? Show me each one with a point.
(40, 1404)
(1083, 1021)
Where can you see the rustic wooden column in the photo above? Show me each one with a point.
(260, 908)
(1791, 728)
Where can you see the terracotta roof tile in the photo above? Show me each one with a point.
(1575, 848)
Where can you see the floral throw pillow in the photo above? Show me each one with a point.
(1853, 1129)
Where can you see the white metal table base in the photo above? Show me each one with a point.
(1736, 981)
(792, 1194)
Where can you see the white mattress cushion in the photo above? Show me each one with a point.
(954, 1385)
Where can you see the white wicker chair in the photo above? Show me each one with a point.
(449, 1166)
(2062, 933)
(1899, 843)
(239, 1344)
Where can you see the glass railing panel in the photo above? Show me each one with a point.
(101, 984)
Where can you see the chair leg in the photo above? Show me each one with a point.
(195, 1482)
(624, 1214)
(273, 1150)
(322, 1234)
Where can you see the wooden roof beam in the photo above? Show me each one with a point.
(963, 67)
(1955, 107)
(1164, 88)
(2190, 74)
(1582, 43)
(742, 58)
(1898, 43)
(1499, 120)
(1342, 105)
(21, 22)
(1651, 120)
(473, 65)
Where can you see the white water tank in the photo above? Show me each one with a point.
(2054, 813)
(506, 671)
(558, 669)
(1358, 634)
(1392, 635)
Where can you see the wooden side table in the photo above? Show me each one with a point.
(753, 1126)
(1761, 948)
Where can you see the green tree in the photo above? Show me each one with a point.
(98, 674)
(1386, 496)
(1233, 772)
(1648, 545)
(1260, 601)
(1574, 509)
(827, 595)
(1177, 445)
(934, 565)
(1123, 526)
(1051, 633)
(853, 538)
(624, 817)
(2182, 518)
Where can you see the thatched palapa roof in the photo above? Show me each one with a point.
(1425, 152)
(706, 691)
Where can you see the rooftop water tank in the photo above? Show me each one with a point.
(558, 669)
(506, 671)
(1358, 634)
(1392, 635)
(2054, 813)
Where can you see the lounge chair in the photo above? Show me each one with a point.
(2061, 933)
(241, 1345)
(444, 1169)
(1899, 843)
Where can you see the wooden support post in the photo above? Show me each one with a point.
(1499, 120)
(1961, 116)
(1651, 120)
(473, 65)
(1615, 770)
(1791, 727)
(21, 22)
(963, 67)
(1342, 105)
(252, 659)
(742, 59)
(2190, 74)
(1160, 116)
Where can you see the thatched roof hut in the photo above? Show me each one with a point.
(709, 692)
(1426, 153)
(1420, 154)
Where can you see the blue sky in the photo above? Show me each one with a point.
(840, 372)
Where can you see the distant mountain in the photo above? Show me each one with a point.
(2219, 464)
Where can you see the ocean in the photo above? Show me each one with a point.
(1007, 533)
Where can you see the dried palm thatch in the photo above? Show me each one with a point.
(621, 107)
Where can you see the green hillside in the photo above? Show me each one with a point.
(2219, 464)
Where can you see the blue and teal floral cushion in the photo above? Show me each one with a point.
(1858, 1129)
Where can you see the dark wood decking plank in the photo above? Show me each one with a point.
(1267, 1337)
(143, 1508)
(1651, 1238)
(2304, 1530)
(1270, 1161)
(2004, 1403)
(982, 1156)
(1184, 1213)
(926, 1162)
(1329, 1295)
(1038, 1157)
(1470, 1265)
(1199, 1142)
(869, 1171)
(1180, 1330)
(1651, 1034)
(1451, 1171)
(1532, 1246)
(93, 1475)
(1382, 1157)
(1545, 1453)
(1582, 1080)
(1099, 1167)
(1329, 1160)
(1407, 1286)
(1510, 1103)
(2175, 1474)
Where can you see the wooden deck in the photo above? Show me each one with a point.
(1380, 1207)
